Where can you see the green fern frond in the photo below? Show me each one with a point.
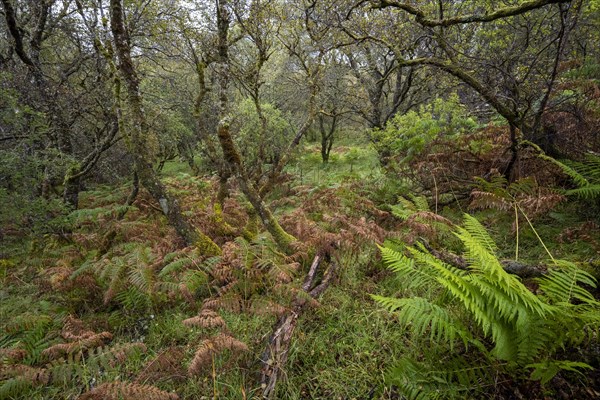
(456, 281)
(400, 212)
(175, 266)
(527, 186)
(453, 378)
(535, 337)
(562, 284)
(547, 370)
(422, 317)
(88, 266)
(477, 231)
(142, 277)
(132, 298)
(579, 179)
(210, 263)
(586, 192)
(27, 322)
(404, 267)
(193, 280)
(170, 257)
(590, 168)
(523, 327)
(406, 208)
(420, 202)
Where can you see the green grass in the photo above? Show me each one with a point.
(341, 349)
(351, 162)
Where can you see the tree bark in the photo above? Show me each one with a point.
(230, 152)
(139, 135)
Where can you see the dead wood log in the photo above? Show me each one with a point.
(517, 268)
(275, 355)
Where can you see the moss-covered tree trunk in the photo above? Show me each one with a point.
(138, 138)
(207, 139)
(230, 152)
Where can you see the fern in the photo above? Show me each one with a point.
(124, 390)
(585, 192)
(525, 329)
(424, 317)
(579, 179)
(175, 266)
(546, 370)
(562, 284)
(453, 378)
(586, 176)
(15, 388)
(407, 207)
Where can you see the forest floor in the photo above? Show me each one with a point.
(76, 314)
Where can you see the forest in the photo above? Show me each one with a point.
(299, 199)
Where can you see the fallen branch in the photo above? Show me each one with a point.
(517, 268)
(275, 356)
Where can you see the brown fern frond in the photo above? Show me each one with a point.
(222, 272)
(58, 350)
(233, 303)
(206, 319)
(126, 390)
(280, 275)
(73, 329)
(211, 347)
(541, 203)
(481, 200)
(12, 355)
(186, 293)
(31, 374)
(121, 353)
(229, 287)
(166, 365)
(430, 217)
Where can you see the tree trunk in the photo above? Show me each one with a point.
(139, 136)
(326, 137)
(230, 153)
(514, 149)
(72, 187)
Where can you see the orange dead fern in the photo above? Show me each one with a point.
(205, 319)
(79, 339)
(36, 376)
(11, 355)
(212, 347)
(166, 365)
(129, 391)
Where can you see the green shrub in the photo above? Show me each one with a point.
(407, 135)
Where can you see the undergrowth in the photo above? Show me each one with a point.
(158, 320)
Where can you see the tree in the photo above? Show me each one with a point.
(140, 132)
(61, 52)
(527, 44)
(230, 151)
